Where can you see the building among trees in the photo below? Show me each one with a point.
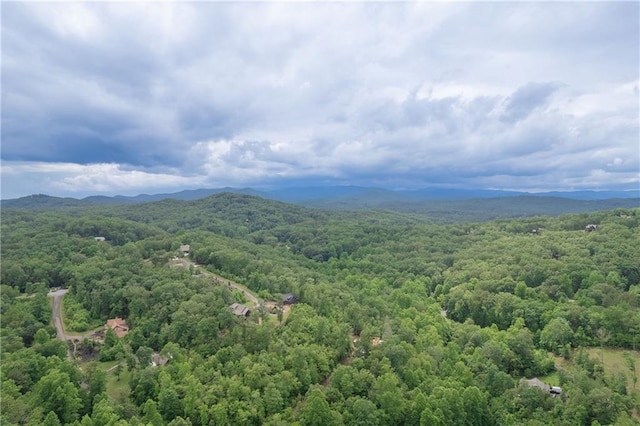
(119, 326)
(240, 310)
(289, 299)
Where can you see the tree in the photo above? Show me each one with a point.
(631, 365)
(97, 379)
(144, 386)
(103, 414)
(603, 336)
(118, 371)
(169, 404)
(56, 393)
(41, 337)
(151, 415)
(144, 355)
(476, 407)
(364, 413)
(386, 393)
(51, 420)
(273, 401)
(316, 411)
(556, 334)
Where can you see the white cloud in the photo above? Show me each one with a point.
(82, 180)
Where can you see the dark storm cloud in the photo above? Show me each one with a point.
(132, 96)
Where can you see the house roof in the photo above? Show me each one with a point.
(376, 341)
(117, 322)
(119, 326)
(157, 359)
(535, 382)
(240, 310)
(185, 248)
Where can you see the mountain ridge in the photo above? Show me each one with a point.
(304, 194)
(354, 199)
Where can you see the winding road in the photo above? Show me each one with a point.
(221, 280)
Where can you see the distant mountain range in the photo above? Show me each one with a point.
(440, 202)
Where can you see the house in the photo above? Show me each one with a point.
(185, 249)
(157, 359)
(99, 239)
(537, 383)
(289, 299)
(590, 227)
(119, 326)
(240, 310)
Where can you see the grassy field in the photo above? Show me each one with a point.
(118, 390)
(552, 379)
(613, 360)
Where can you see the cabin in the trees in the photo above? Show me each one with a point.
(537, 383)
(590, 227)
(158, 359)
(119, 326)
(185, 249)
(289, 299)
(240, 310)
(99, 239)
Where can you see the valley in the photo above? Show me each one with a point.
(344, 321)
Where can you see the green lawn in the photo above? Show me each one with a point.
(118, 390)
(552, 379)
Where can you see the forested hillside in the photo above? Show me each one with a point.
(441, 206)
(398, 320)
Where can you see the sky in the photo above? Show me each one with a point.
(149, 97)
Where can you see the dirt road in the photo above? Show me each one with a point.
(57, 320)
(220, 280)
(235, 286)
(57, 316)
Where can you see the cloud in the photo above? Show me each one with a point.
(83, 180)
(527, 99)
(385, 93)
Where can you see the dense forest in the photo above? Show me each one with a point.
(398, 320)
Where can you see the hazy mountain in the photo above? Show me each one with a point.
(452, 204)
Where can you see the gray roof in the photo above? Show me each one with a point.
(240, 310)
(535, 382)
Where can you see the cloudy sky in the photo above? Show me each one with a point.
(129, 98)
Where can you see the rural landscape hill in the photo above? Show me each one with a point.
(237, 309)
(437, 204)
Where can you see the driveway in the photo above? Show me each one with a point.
(57, 316)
